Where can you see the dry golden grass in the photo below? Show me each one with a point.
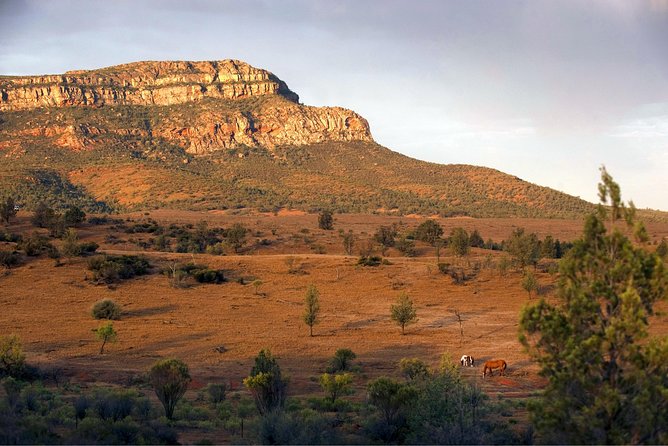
(49, 307)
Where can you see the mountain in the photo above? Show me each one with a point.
(223, 134)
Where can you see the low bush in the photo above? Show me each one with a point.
(179, 274)
(9, 259)
(107, 309)
(36, 245)
(111, 269)
(370, 261)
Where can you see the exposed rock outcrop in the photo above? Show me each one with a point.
(272, 117)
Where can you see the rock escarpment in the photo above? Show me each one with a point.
(201, 106)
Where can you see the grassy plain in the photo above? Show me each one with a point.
(49, 306)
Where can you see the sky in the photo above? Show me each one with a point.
(547, 91)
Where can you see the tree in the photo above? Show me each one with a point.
(74, 216)
(43, 216)
(169, 379)
(476, 240)
(266, 384)
(341, 360)
(12, 358)
(257, 283)
(459, 242)
(529, 282)
(336, 385)
(662, 249)
(606, 382)
(106, 333)
(385, 236)
(312, 307)
(392, 399)
(348, 243)
(326, 220)
(413, 369)
(71, 247)
(403, 312)
(523, 248)
(548, 249)
(236, 236)
(406, 247)
(428, 231)
(7, 209)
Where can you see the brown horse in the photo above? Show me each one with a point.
(492, 365)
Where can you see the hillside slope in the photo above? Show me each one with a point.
(211, 135)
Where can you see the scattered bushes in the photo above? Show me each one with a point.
(180, 273)
(107, 309)
(112, 269)
(36, 245)
(9, 259)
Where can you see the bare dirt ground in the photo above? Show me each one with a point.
(49, 306)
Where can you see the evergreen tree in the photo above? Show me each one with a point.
(326, 220)
(170, 379)
(606, 382)
(403, 312)
(429, 231)
(459, 242)
(266, 384)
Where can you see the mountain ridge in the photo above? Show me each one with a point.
(224, 134)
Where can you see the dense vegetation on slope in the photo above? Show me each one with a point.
(122, 163)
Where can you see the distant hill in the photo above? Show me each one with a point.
(212, 135)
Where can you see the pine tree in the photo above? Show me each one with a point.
(312, 307)
(606, 382)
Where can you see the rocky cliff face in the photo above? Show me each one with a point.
(230, 104)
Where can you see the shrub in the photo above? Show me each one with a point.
(9, 259)
(341, 360)
(216, 392)
(369, 261)
(107, 309)
(209, 276)
(110, 269)
(12, 359)
(36, 245)
(266, 384)
(326, 220)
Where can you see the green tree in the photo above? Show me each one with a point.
(606, 382)
(336, 385)
(348, 243)
(71, 247)
(43, 216)
(12, 358)
(428, 231)
(524, 249)
(385, 236)
(529, 282)
(74, 216)
(403, 312)
(392, 399)
(236, 236)
(106, 333)
(413, 369)
(312, 307)
(257, 283)
(476, 240)
(266, 384)
(548, 249)
(169, 379)
(662, 249)
(341, 360)
(326, 220)
(459, 242)
(7, 209)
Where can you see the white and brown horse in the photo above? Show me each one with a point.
(493, 365)
(467, 361)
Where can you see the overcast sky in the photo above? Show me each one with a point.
(544, 90)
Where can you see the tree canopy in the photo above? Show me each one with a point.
(606, 382)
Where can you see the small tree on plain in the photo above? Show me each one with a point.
(7, 209)
(74, 216)
(326, 220)
(106, 333)
(403, 312)
(459, 242)
(413, 369)
(312, 307)
(266, 384)
(429, 231)
(530, 283)
(348, 243)
(257, 283)
(71, 247)
(236, 236)
(43, 216)
(341, 360)
(336, 385)
(385, 236)
(169, 379)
